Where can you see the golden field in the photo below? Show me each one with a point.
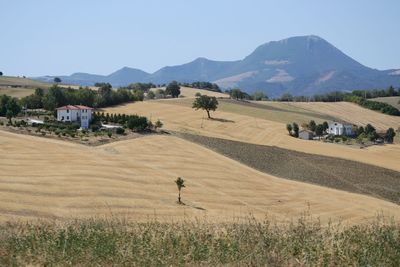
(134, 179)
(250, 129)
(191, 92)
(349, 112)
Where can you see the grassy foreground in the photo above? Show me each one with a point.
(101, 242)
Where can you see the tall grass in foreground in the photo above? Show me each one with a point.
(114, 242)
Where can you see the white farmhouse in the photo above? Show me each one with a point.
(340, 128)
(75, 113)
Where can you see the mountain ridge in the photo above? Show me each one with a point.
(300, 65)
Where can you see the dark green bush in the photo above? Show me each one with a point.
(120, 131)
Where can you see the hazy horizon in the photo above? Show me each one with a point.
(99, 37)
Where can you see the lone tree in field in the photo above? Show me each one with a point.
(57, 80)
(179, 183)
(206, 103)
(173, 89)
(1, 73)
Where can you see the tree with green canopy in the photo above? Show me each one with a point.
(180, 183)
(207, 103)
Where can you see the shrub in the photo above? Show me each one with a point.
(94, 127)
(120, 130)
(158, 124)
(109, 133)
(137, 123)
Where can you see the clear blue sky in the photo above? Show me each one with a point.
(61, 37)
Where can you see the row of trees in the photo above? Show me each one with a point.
(173, 89)
(240, 95)
(337, 96)
(359, 97)
(105, 96)
(203, 85)
(133, 122)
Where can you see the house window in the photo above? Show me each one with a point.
(67, 117)
(62, 118)
(67, 110)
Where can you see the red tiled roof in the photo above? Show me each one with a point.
(83, 107)
(73, 107)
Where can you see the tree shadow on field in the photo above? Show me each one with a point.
(191, 206)
(221, 120)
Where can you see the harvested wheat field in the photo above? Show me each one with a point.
(21, 82)
(191, 92)
(350, 112)
(134, 179)
(254, 130)
(18, 92)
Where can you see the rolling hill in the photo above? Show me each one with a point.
(134, 180)
(302, 65)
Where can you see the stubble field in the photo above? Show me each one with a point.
(134, 179)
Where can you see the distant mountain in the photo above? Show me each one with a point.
(302, 65)
(121, 77)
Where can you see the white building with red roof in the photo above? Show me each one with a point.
(75, 113)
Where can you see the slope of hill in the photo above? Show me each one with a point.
(11, 81)
(19, 87)
(302, 65)
(251, 128)
(392, 100)
(134, 179)
(190, 93)
(120, 77)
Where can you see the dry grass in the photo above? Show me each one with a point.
(134, 179)
(240, 243)
(191, 92)
(260, 110)
(18, 92)
(392, 100)
(350, 112)
(21, 82)
(250, 129)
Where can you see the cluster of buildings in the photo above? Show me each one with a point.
(334, 128)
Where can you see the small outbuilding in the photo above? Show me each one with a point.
(306, 135)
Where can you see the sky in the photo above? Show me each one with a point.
(60, 37)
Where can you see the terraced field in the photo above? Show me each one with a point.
(252, 129)
(134, 179)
